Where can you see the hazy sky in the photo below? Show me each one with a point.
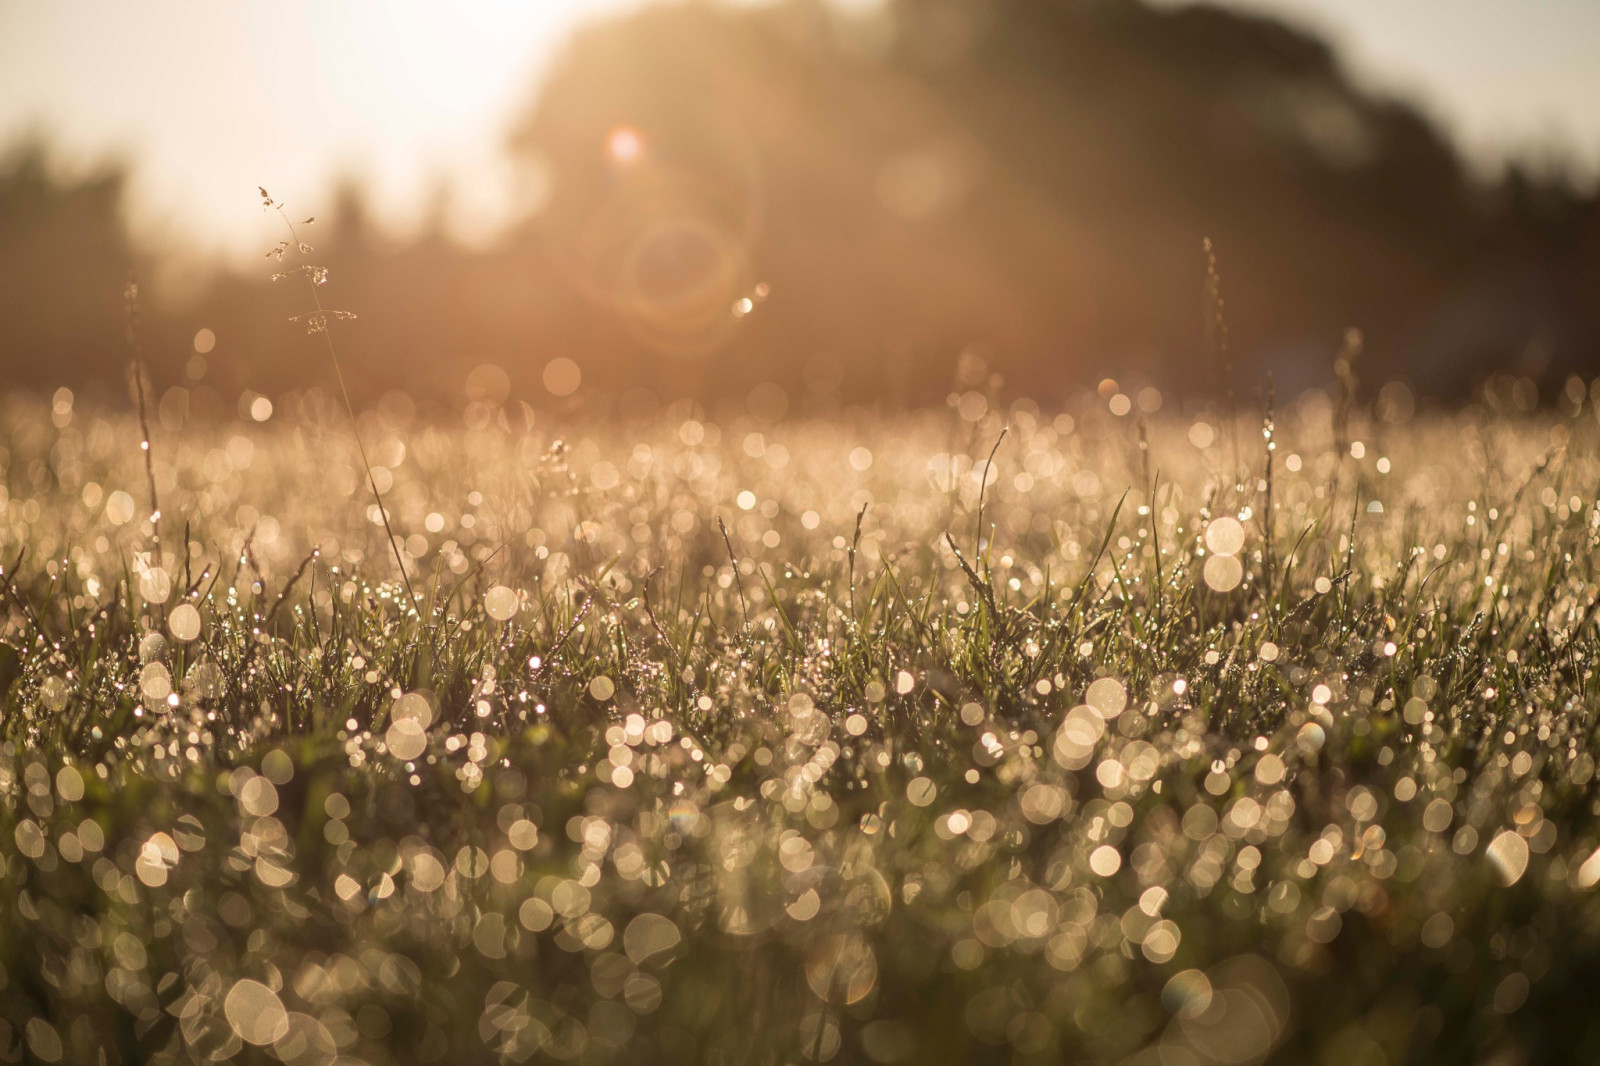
(210, 98)
(1517, 77)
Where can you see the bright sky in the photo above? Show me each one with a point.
(210, 98)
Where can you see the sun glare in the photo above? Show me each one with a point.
(397, 96)
(624, 145)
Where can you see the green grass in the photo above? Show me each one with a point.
(892, 767)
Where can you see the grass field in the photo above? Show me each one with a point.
(1161, 739)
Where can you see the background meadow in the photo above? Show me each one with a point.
(748, 741)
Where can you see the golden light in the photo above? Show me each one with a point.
(395, 93)
(624, 144)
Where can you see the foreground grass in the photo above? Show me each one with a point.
(1175, 743)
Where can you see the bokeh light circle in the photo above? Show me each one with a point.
(1223, 573)
(1225, 536)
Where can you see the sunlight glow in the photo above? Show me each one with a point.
(624, 145)
(210, 100)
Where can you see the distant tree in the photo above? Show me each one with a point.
(64, 263)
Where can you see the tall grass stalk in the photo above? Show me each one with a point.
(319, 321)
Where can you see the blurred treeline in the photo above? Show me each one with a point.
(1028, 178)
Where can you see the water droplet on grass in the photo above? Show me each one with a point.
(1225, 536)
(256, 1013)
(1508, 855)
(1223, 573)
(184, 622)
(1108, 696)
(500, 603)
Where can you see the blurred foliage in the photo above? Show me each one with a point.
(1032, 178)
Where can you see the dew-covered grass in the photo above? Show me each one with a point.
(1159, 739)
